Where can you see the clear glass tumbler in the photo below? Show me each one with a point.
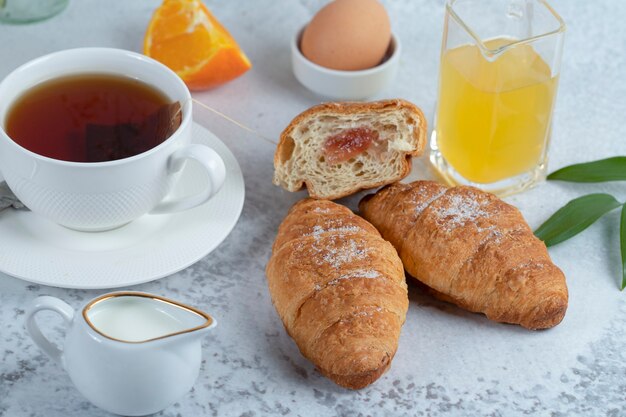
(27, 11)
(498, 78)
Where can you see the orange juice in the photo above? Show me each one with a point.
(493, 117)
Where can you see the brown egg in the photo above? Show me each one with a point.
(347, 35)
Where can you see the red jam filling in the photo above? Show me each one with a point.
(348, 144)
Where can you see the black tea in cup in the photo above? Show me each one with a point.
(92, 118)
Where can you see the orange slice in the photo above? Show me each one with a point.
(185, 36)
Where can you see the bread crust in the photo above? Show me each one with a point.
(343, 108)
(472, 249)
(340, 291)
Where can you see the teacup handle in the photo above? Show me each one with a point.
(47, 303)
(212, 163)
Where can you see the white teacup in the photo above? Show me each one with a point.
(96, 196)
(128, 353)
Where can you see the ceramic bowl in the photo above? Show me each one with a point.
(346, 85)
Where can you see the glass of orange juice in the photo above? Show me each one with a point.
(498, 78)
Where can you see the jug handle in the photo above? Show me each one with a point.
(52, 304)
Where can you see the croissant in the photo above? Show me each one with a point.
(471, 249)
(337, 149)
(339, 289)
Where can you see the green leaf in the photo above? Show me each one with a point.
(575, 217)
(610, 169)
(622, 241)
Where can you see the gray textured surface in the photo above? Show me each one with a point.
(8, 199)
(449, 363)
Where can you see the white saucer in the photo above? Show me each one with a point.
(151, 247)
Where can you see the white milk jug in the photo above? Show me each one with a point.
(129, 353)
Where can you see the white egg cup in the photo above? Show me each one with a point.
(345, 85)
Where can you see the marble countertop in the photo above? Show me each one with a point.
(449, 362)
